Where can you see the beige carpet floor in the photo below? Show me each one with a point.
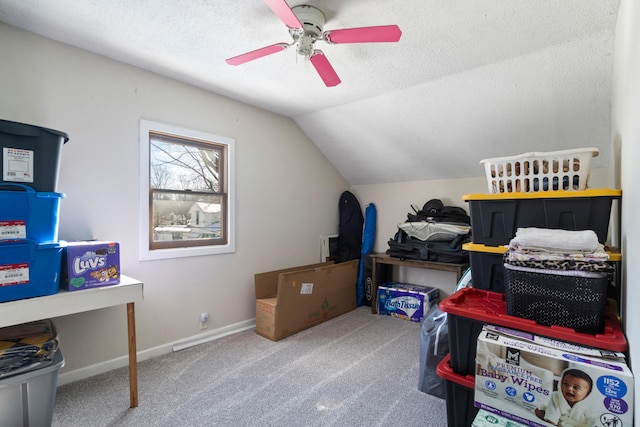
(356, 370)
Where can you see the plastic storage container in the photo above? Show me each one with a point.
(487, 270)
(537, 171)
(495, 218)
(561, 298)
(28, 399)
(30, 155)
(27, 214)
(27, 346)
(29, 269)
(486, 266)
(469, 309)
(459, 391)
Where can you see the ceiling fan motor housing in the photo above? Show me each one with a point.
(312, 20)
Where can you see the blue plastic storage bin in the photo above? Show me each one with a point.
(27, 214)
(29, 269)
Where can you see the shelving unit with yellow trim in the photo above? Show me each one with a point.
(495, 219)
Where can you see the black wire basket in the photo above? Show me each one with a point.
(574, 299)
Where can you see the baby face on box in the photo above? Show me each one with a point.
(568, 404)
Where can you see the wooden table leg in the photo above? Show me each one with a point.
(374, 286)
(133, 362)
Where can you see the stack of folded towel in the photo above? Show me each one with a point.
(552, 249)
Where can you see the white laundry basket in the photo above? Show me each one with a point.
(536, 171)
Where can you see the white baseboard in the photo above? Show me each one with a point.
(214, 335)
(120, 362)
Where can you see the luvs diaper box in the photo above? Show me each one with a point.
(542, 382)
(90, 264)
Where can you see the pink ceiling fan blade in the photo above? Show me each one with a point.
(383, 33)
(284, 12)
(256, 54)
(324, 69)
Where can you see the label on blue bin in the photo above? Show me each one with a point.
(17, 165)
(14, 274)
(13, 229)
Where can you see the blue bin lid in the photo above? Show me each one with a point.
(31, 191)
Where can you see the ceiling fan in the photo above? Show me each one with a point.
(305, 24)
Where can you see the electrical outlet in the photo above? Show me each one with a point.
(204, 320)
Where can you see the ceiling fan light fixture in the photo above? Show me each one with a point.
(305, 45)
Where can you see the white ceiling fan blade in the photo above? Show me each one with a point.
(383, 33)
(324, 69)
(256, 54)
(284, 12)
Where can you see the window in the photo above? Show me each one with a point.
(186, 192)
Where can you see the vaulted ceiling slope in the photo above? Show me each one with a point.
(468, 80)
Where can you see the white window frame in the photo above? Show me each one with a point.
(147, 254)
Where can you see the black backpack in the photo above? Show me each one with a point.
(350, 227)
(434, 210)
(406, 247)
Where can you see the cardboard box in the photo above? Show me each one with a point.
(409, 302)
(293, 299)
(90, 264)
(520, 376)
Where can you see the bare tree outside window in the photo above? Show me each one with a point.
(186, 192)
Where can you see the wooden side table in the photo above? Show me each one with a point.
(389, 260)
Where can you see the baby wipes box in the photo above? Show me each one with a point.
(90, 264)
(542, 382)
(406, 301)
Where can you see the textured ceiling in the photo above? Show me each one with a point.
(468, 80)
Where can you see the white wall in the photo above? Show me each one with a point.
(287, 192)
(626, 150)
